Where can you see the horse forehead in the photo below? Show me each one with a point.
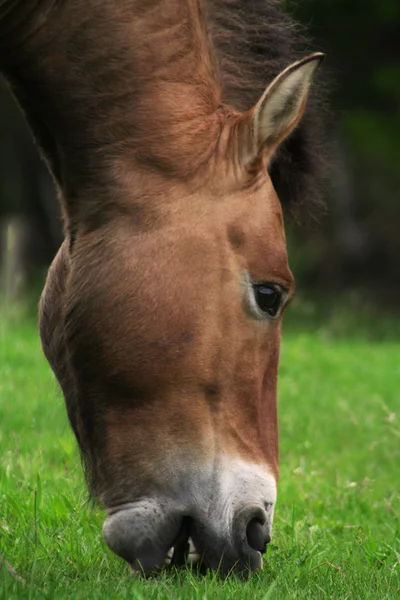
(250, 210)
(255, 228)
(218, 224)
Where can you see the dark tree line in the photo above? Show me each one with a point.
(359, 241)
(30, 223)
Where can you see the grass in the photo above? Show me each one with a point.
(336, 532)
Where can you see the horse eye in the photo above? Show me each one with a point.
(268, 297)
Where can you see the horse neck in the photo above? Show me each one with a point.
(105, 81)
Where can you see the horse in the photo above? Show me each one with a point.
(171, 128)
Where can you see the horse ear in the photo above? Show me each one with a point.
(278, 111)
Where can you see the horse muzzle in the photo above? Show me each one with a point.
(226, 529)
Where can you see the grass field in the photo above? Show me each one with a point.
(336, 532)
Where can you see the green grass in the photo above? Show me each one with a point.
(336, 532)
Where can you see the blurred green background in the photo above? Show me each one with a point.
(355, 245)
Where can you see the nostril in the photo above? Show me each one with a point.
(257, 538)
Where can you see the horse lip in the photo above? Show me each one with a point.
(146, 557)
(112, 510)
(141, 533)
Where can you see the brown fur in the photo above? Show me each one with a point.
(253, 41)
(142, 317)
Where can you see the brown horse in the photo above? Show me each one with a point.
(161, 314)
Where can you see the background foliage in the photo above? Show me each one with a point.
(358, 241)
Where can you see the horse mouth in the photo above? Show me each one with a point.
(152, 539)
(184, 553)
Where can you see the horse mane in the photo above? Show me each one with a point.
(253, 41)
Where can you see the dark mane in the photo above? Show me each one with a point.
(254, 40)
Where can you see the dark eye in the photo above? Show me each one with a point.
(268, 297)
